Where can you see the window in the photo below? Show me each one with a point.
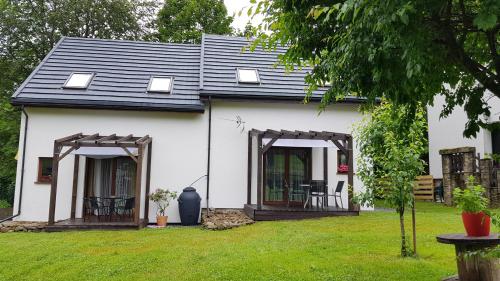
(247, 75)
(79, 80)
(44, 170)
(160, 84)
(342, 162)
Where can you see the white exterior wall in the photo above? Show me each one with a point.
(228, 175)
(179, 153)
(179, 150)
(448, 132)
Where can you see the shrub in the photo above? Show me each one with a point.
(471, 199)
(4, 204)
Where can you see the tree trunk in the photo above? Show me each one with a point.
(403, 235)
(414, 228)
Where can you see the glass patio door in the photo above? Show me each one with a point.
(274, 175)
(285, 169)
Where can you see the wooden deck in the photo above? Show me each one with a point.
(93, 224)
(271, 213)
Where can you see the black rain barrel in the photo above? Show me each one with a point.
(189, 206)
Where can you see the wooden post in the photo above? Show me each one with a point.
(325, 170)
(325, 164)
(249, 169)
(350, 174)
(75, 186)
(138, 183)
(259, 172)
(53, 186)
(148, 184)
(414, 227)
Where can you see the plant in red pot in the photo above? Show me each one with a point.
(162, 198)
(473, 204)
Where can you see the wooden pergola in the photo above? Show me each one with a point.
(76, 141)
(342, 141)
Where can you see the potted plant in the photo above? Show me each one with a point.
(473, 204)
(162, 198)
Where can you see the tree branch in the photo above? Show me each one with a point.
(492, 44)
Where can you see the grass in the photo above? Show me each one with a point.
(340, 248)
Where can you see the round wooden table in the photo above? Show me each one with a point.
(474, 267)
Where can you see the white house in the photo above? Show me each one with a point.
(448, 132)
(183, 112)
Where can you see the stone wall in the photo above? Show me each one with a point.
(458, 165)
(24, 226)
(486, 174)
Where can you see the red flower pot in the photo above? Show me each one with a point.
(476, 224)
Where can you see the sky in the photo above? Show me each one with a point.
(233, 7)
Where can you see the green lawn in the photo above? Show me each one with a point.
(341, 248)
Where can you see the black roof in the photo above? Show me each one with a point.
(123, 70)
(222, 55)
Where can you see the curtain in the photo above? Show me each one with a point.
(125, 177)
(102, 177)
(124, 170)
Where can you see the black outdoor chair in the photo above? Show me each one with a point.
(337, 193)
(126, 207)
(439, 193)
(295, 193)
(318, 190)
(93, 207)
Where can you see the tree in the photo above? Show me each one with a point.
(390, 148)
(183, 21)
(30, 28)
(405, 51)
(248, 31)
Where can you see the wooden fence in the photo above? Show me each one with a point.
(424, 188)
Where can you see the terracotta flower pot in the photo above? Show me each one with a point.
(476, 224)
(161, 221)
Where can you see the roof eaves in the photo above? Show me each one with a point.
(88, 104)
(27, 80)
(218, 95)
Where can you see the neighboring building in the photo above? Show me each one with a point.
(448, 132)
(195, 104)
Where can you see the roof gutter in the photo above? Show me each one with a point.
(21, 183)
(208, 152)
(86, 104)
(352, 100)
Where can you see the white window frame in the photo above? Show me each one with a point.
(92, 75)
(171, 86)
(247, 82)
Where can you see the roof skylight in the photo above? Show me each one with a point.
(248, 75)
(160, 84)
(79, 80)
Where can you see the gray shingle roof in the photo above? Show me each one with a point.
(223, 54)
(123, 70)
(122, 73)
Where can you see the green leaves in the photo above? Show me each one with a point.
(390, 145)
(162, 198)
(403, 51)
(471, 199)
(184, 21)
(486, 21)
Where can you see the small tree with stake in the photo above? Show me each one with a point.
(390, 148)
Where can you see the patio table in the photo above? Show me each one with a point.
(473, 267)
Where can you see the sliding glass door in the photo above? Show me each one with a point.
(285, 169)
